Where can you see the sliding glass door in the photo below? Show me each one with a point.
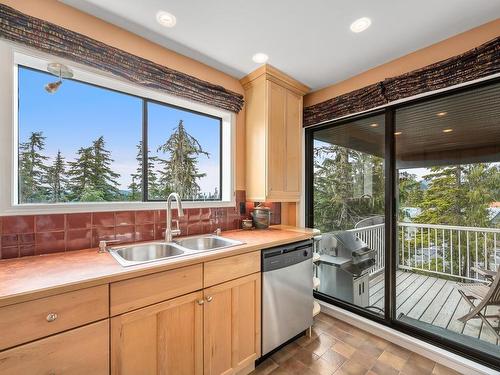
(348, 208)
(408, 203)
(448, 246)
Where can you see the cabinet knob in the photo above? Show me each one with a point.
(51, 317)
(210, 298)
(200, 302)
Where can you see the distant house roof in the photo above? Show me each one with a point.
(495, 205)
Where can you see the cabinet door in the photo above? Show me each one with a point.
(276, 140)
(232, 325)
(293, 149)
(79, 351)
(165, 338)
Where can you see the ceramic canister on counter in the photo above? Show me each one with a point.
(261, 217)
(246, 224)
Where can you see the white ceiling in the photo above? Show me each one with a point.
(309, 40)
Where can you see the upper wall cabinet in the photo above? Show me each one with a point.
(273, 135)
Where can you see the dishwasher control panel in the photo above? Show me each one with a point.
(287, 255)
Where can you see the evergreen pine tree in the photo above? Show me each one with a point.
(180, 171)
(80, 175)
(56, 177)
(103, 179)
(136, 184)
(32, 170)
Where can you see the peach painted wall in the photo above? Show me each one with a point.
(75, 20)
(440, 51)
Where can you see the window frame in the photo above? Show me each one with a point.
(12, 57)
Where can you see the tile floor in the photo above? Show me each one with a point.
(337, 348)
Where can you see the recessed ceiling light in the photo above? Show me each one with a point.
(373, 125)
(398, 133)
(361, 24)
(166, 19)
(447, 130)
(260, 58)
(441, 114)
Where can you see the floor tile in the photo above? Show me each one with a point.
(322, 367)
(398, 350)
(265, 367)
(442, 370)
(381, 368)
(345, 349)
(306, 357)
(392, 360)
(352, 367)
(336, 348)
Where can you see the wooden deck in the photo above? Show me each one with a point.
(431, 300)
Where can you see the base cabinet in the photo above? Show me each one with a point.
(80, 351)
(212, 332)
(165, 338)
(231, 325)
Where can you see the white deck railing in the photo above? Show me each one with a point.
(445, 250)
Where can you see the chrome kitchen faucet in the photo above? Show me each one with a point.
(169, 232)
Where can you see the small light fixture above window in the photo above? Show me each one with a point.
(60, 70)
(441, 114)
(166, 19)
(361, 24)
(449, 130)
(398, 133)
(375, 125)
(260, 58)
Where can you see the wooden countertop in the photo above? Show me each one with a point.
(34, 277)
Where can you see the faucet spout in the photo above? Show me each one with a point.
(169, 232)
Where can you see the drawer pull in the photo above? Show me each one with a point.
(51, 317)
(200, 302)
(210, 298)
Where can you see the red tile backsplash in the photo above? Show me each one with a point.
(50, 242)
(43, 234)
(18, 224)
(103, 219)
(79, 221)
(77, 239)
(46, 223)
(125, 218)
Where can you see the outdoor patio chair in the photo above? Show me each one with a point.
(484, 296)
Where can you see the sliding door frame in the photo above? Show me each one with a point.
(389, 318)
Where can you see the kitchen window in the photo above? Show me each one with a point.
(87, 142)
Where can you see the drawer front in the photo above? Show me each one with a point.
(142, 291)
(32, 320)
(225, 269)
(80, 351)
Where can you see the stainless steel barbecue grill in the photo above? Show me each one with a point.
(344, 267)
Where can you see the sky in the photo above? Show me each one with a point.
(79, 113)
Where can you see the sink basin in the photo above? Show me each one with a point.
(204, 243)
(136, 254)
(130, 255)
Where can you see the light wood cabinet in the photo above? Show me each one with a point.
(128, 295)
(165, 338)
(80, 351)
(225, 269)
(232, 316)
(273, 135)
(28, 321)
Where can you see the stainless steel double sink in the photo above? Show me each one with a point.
(130, 255)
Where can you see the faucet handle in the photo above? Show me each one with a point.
(218, 232)
(103, 245)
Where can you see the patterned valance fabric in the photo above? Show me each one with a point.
(479, 62)
(58, 41)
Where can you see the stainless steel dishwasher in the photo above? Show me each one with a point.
(287, 293)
